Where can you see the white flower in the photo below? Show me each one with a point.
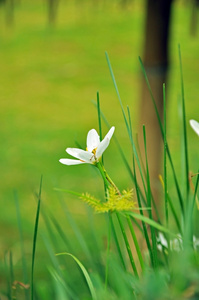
(161, 241)
(93, 152)
(175, 244)
(195, 125)
(195, 242)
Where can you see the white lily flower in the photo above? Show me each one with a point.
(195, 125)
(93, 152)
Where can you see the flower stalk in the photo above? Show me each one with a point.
(109, 182)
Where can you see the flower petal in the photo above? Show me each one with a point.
(102, 147)
(70, 162)
(104, 143)
(195, 125)
(79, 153)
(110, 133)
(93, 140)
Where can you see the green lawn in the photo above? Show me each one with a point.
(49, 77)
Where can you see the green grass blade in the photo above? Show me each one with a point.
(68, 191)
(116, 88)
(61, 233)
(162, 132)
(116, 241)
(85, 273)
(184, 127)
(35, 241)
(126, 121)
(75, 228)
(149, 221)
(7, 273)
(69, 294)
(11, 267)
(195, 193)
(141, 212)
(165, 158)
(59, 286)
(127, 245)
(99, 116)
(52, 235)
(174, 213)
(107, 254)
(157, 214)
(21, 238)
(189, 224)
(135, 242)
(153, 236)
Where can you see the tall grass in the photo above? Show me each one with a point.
(82, 268)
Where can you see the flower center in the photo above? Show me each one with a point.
(94, 151)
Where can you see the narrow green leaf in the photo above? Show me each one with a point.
(128, 248)
(126, 121)
(21, 238)
(99, 116)
(174, 213)
(135, 242)
(69, 293)
(165, 159)
(149, 221)
(141, 212)
(153, 236)
(68, 191)
(85, 273)
(35, 240)
(162, 132)
(7, 273)
(74, 226)
(116, 241)
(108, 254)
(184, 127)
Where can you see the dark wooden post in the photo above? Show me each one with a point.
(156, 63)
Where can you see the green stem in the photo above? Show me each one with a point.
(116, 241)
(106, 177)
(102, 172)
(108, 253)
(127, 245)
(135, 242)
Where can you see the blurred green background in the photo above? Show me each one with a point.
(49, 77)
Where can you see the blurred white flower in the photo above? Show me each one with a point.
(161, 241)
(93, 152)
(195, 242)
(195, 125)
(175, 244)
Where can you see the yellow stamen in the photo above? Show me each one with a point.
(94, 151)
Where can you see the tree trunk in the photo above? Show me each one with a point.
(156, 65)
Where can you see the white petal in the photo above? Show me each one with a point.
(162, 240)
(195, 125)
(110, 133)
(102, 147)
(104, 143)
(79, 153)
(70, 162)
(93, 140)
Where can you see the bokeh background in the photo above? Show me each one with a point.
(50, 74)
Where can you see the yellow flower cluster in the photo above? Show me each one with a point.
(115, 202)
